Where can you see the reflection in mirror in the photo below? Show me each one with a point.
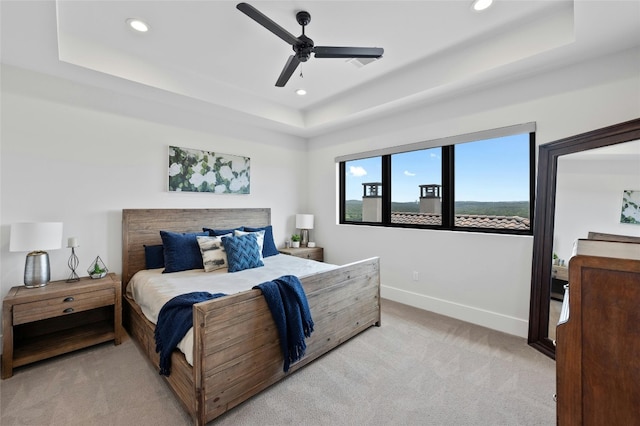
(589, 187)
(550, 155)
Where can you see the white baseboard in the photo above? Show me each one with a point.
(492, 320)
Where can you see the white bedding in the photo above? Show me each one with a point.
(151, 289)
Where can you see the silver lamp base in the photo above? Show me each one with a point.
(305, 237)
(37, 272)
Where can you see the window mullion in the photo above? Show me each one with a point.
(386, 189)
(343, 192)
(448, 183)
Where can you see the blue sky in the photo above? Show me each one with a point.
(489, 170)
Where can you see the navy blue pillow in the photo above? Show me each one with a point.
(154, 256)
(269, 246)
(181, 251)
(243, 252)
(221, 232)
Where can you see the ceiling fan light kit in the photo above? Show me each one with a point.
(303, 46)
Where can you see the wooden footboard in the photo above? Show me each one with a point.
(237, 350)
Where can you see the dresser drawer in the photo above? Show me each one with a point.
(63, 305)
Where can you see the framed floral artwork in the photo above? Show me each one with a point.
(630, 207)
(193, 170)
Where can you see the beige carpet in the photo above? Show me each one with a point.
(419, 368)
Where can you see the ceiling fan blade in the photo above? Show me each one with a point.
(347, 52)
(266, 22)
(289, 68)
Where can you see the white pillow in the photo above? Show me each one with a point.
(213, 254)
(259, 237)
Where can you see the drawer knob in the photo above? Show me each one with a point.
(68, 299)
(68, 310)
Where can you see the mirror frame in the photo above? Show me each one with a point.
(544, 216)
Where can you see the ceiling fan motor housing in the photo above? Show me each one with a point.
(304, 49)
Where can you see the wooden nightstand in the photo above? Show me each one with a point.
(39, 323)
(313, 253)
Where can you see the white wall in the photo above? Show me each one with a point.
(68, 155)
(62, 143)
(589, 198)
(481, 278)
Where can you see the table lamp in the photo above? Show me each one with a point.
(304, 222)
(36, 238)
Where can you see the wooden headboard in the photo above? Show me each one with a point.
(142, 227)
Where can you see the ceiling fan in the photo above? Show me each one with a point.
(303, 46)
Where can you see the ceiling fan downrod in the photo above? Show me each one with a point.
(305, 48)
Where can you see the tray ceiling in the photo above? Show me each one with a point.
(208, 54)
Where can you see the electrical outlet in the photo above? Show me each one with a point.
(415, 275)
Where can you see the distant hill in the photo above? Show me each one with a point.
(489, 208)
(494, 208)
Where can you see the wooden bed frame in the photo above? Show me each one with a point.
(236, 346)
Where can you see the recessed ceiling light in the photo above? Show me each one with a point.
(138, 25)
(301, 92)
(480, 5)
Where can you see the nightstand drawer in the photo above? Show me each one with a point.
(311, 253)
(63, 305)
(315, 255)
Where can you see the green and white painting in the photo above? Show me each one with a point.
(193, 170)
(630, 207)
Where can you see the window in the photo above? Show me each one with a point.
(416, 180)
(480, 182)
(492, 183)
(363, 183)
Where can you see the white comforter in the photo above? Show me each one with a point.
(151, 289)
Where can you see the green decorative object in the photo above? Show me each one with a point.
(97, 269)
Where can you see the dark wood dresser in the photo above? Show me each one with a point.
(598, 345)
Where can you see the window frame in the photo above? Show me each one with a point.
(448, 180)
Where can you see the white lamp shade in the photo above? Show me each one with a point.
(35, 236)
(304, 221)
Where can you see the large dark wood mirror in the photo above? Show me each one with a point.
(543, 227)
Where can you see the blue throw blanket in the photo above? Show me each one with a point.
(290, 310)
(174, 320)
